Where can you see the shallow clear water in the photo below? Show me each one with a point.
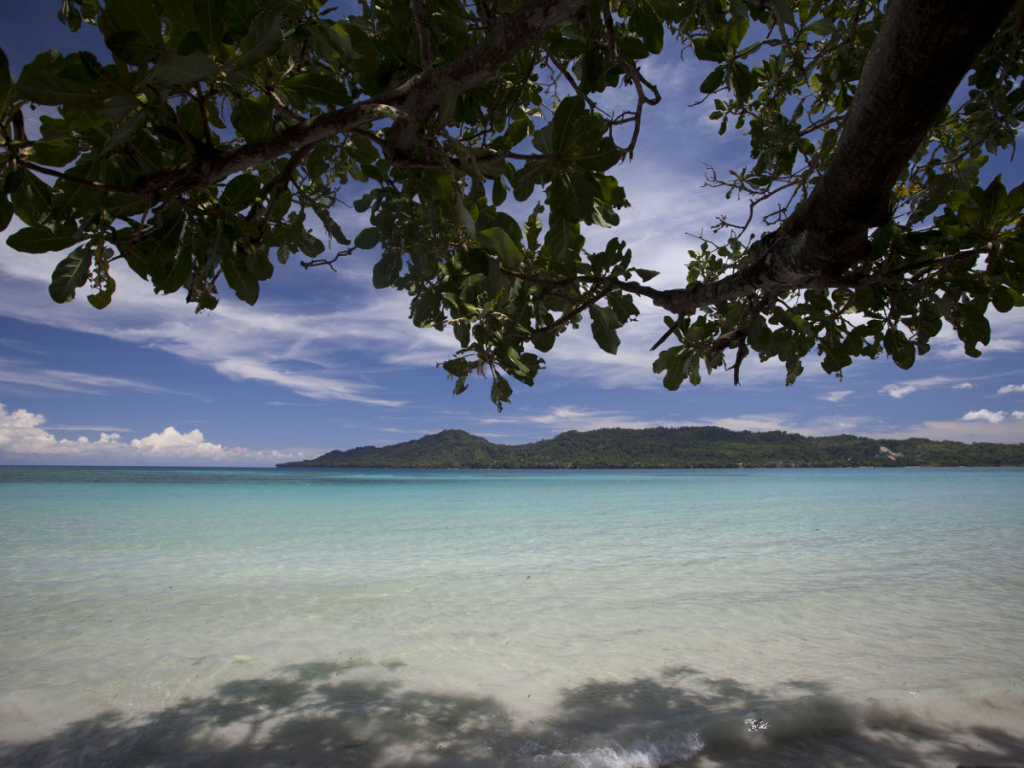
(215, 617)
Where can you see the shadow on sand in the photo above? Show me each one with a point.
(321, 714)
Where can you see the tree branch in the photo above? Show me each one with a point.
(922, 53)
(73, 179)
(417, 97)
(424, 33)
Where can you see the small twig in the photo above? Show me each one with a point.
(567, 317)
(74, 179)
(328, 262)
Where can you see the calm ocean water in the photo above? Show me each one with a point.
(626, 618)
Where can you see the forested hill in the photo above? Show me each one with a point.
(665, 447)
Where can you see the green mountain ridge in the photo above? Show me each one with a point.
(667, 448)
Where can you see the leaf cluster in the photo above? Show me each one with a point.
(214, 137)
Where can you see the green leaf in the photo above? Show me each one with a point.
(562, 239)
(713, 80)
(240, 191)
(30, 195)
(71, 273)
(709, 48)
(70, 15)
(318, 89)
(262, 39)
(446, 108)
(793, 370)
(465, 218)
(210, 19)
(387, 270)
(41, 240)
(367, 239)
(6, 212)
(101, 299)
(784, 12)
(172, 69)
(242, 282)
(129, 46)
(974, 329)
(501, 391)
(899, 348)
(137, 16)
(56, 153)
(251, 117)
(5, 81)
(1002, 298)
(52, 90)
(646, 274)
(604, 324)
(496, 240)
(673, 363)
(341, 40)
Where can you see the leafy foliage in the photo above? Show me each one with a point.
(215, 135)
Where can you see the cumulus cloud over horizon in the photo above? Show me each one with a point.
(992, 417)
(22, 435)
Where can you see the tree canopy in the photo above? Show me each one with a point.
(217, 136)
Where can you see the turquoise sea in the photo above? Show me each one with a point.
(177, 617)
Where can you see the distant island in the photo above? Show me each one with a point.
(668, 448)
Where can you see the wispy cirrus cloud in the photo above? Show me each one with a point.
(312, 354)
(914, 385)
(18, 372)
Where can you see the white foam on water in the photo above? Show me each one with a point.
(649, 753)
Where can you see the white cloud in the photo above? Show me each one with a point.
(563, 418)
(24, 438)
(914, 385)
(984, 414)
(1009, 388)
(172, 443)
(312, 386)
(1007, 336)
(979, 430)
(71, 381)
(963, 385)
(306, 352)
(764, 422)
(86, 428)
(835, 397)
(898, 390)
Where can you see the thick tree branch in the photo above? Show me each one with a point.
(923, 51)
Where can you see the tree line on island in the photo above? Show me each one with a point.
(667, 448)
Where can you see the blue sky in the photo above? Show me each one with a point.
(324, 361)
